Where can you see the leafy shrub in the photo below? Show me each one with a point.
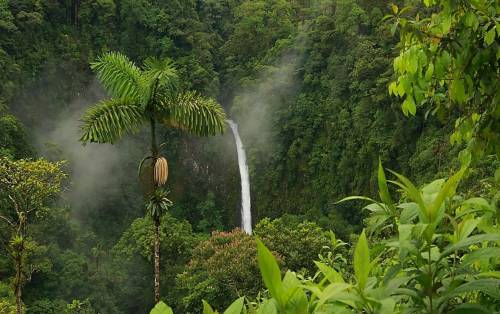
(299, 244)
(222, 268)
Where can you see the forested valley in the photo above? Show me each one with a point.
(370, 128)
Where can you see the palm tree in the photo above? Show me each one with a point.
(141, 96)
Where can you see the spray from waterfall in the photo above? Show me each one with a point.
(246, 214)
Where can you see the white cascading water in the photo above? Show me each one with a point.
(246, 214)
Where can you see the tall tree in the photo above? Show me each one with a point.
(25, 186)
(141, 96)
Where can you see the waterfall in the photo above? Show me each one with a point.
(246, 214)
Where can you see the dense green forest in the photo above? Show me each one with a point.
(397, 101)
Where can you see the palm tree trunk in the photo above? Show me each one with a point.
(157, 258)
(156, 218)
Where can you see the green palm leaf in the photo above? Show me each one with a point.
(191, 112)
(160, 77)
(162, 71)
(119, 76)
(110, 119)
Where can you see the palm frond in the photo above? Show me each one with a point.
(192, 112)
(119, 76)
(110, 119)
(160, 75)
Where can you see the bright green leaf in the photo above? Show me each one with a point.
(161, 308)
(236, 307)
(207, 309)
(270, 271)
(490, 36)
(362, 260)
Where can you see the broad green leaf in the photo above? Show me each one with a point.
(330, 292)
(236, 307)
(295, 298)
(465, 228)
(376, 208)
(409, 106)
(207, 309)
(413, 64)
(429, 72)
(434, 254)
(489, 274)
(482, 253)
(331, 274)
(290, 282)
(433, 188)
(490, 286)
(267, 307)
(465, 243)
(362, 260)
(161, 308)
(457, 91)
(490, 36)
(393, 88)
(270, 271)
(446, 191)
(406, 82)
(401, 89)
(470, 309)
(383, 189)
(413, 193)
(404, 243)
(473, 205)
(409, 212)
(387, 306)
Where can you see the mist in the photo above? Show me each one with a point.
(256, 102)
(97, 172)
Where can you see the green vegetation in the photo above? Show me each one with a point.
(25, 188)
(433, 252)
(333, 98)
(448, 62)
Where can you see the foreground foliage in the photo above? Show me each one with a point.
(433, 252)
